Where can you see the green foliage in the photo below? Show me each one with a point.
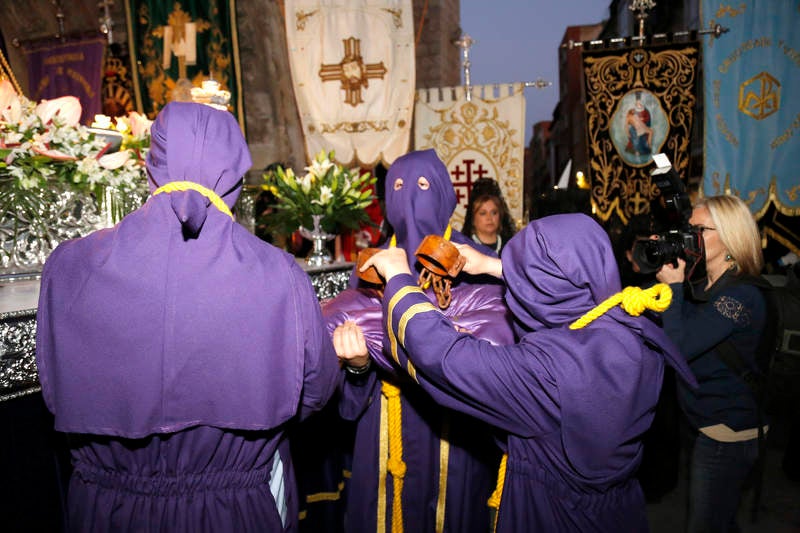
(339, 195)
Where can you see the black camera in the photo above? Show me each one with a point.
(681, 239)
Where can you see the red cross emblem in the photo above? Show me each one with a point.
(463, 176)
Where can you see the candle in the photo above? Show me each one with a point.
(210, 86)
(102, 121)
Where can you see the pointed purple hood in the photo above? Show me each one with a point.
(195, 135)
(415, 213)
(144, 329)
(560, 267)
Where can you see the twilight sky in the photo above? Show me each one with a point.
(517, 40)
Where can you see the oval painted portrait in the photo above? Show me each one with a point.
(639, 127)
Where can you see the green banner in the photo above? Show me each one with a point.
(178, 45)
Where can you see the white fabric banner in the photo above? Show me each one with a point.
(483, 137)
(353, 70)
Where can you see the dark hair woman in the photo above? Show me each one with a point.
(487, 220)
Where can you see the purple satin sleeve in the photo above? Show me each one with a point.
(480, 310)
(362, 306)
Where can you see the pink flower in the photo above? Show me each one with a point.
(140, 124)
(68, 109)
(115, 160)
(54, 154)
(7, 94)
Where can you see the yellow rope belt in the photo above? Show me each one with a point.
(634, 300)
(175, 186)
(396, 465)
(494, 499)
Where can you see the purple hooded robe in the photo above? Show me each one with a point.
(176, 346)
(451, 460)
(572, 403)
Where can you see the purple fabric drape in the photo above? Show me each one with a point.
(70, 68)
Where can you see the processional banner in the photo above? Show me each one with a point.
(353, 71)
(752, 109)
(67, 68)
(482, 137)
(639, 102)
(173, 43)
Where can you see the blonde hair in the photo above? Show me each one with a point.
(737, 230)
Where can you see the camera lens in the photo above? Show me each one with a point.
(650, 254)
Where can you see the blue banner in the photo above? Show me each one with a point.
(752, 108)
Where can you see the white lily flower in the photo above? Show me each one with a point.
(115, 160)
(319, 166)
(325, 196)
(305, 182)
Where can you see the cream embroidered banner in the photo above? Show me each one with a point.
(353, 71)
(480, 138)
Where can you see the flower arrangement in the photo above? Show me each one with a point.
(59, 179)
(336, 196)
(44, 145)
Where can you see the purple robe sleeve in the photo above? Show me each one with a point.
(598, 402)
(500, 385)
(321, 367)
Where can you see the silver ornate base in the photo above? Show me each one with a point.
(34, 223)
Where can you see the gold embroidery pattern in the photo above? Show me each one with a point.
(158, 82)
(354, 127)
(669, 75)
(732, 11)
(733, 309)
(469, 127)
(351, 72)
(771, 192)
(397, 17)
(760, 96)
(302, 18)
(117, 98)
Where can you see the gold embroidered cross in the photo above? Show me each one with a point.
(352, 72)
(179, 38)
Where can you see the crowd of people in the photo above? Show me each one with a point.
(181, 353)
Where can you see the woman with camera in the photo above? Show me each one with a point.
(718, 323)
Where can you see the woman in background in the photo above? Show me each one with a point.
(718, 323)
(487, 220)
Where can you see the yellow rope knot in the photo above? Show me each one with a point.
(389, 390)
(634, 301)
(397, 467)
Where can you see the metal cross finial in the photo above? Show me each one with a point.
(106, 22)
(59, 18)
(642, 6)
(465, 42)
(539, 83)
